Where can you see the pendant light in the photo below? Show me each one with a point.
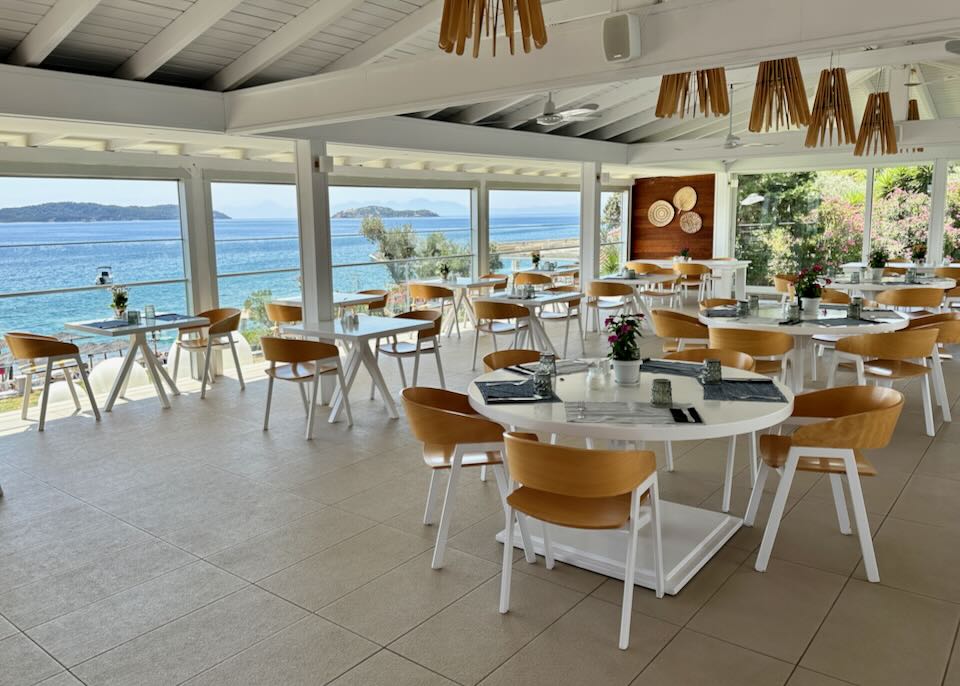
(831, 110)
(465, 19)
(677, 93)
(779, 98)
(877, 133)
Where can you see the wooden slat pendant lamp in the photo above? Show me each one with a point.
(780, 98)
(465, 19)
(877, 132)
(676, 93)
(913, 110)
(831, 111)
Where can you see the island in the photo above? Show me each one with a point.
(381, 211)
(91, 212)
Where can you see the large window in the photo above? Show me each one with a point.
(614, 219)
(901, 211)
(951, 237)
(523, 222)
(787, 220)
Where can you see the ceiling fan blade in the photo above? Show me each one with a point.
(581, 117)
(758, 145)
(577, 111)
(502, 122)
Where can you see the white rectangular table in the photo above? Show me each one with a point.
(137, 333)
(638, 282)
(340, 299)
(733, 273)
(538, 334)
(561, 270)
(357, 339)
(461, 286)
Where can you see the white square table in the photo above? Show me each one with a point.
(340, 299)
(461, 286)
(357, 339)
(137, 333)
(534, 305)
(638, 282)
(733, 273)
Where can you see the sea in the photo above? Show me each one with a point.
(65, 255)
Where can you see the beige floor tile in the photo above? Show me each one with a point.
(470, 638)
(804, 677)
(879, 635)
(479, 539)
(746, 538)
(879, 492)
(387, 500)
(930, 500)
(582, 647)
(475, 501)
(24, 663)
(322, 578)
(953, 670)
(311, 651)
(61, 679)
(81, 634)
(181, 649)
(775, 613)
(275, 550)
(574, 578)
(693, 659)
(6, 628)
(20, 504)
(393, 604)
(679, 487)
(940, 459)
(389, 669)
(46, 599)
(348, 481)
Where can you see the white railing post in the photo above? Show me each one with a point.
(724, 214)
(480, 228)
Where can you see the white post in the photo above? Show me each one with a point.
(480, 228)
(313, 221)
(938, 211)
(199, 251)
(589, 221)
(867, 216)
(724, 214)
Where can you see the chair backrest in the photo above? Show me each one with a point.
(441, 417)
(30, 346)
(485, 309)
(858, 417)
(222, 320)
(784, 282)
(608, 289)
(501, 283)
(509, 358)
(573, 303)
(832, 295)
(376, 305)
(524, 278)
(894, 271)
(691, 269)
(751, 342)
(716, 302)
(425, 291)
(577, 472)
(908, 344)
(276, 349)
(670, 324)
(728, 358)
(641, 267)
(284, 314)
(427, 316)
(911, 297)
(947, 323)
(950, 273)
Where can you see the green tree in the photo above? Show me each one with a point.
(916, 179)
(395, 243)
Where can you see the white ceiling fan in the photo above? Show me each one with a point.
(551, 116)
(732, 141)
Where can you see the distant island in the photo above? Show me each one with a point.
(381, 211)
(91, 212)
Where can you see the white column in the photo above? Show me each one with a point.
(724, 214)
(938, 211)
(480, 228)
(589, 221)
(867, 216)
(313, 220)
(199, 251)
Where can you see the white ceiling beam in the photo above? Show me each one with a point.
(643, 100)
(117, 144)
(676, 38)
(280, 42)
(400, 32)
(55, 25)
(37, 140)
(177, 35)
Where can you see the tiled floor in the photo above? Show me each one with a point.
(189, 546)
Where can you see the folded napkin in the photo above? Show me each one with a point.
(171, 317)
(501, 392)
(842, 321)
(110, 324)
(720, 312)
(739, 390)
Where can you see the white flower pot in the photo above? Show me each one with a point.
(875, 273)
(626, 372)
(810, 308)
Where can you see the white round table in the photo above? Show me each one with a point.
(769, 318)
(691, 535)
(893, 283)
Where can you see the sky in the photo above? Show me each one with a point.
(255, 201)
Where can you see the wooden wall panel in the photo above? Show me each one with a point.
(655, 242)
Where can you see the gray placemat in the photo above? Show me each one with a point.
(502, 392)
(720, 313)
(110, 324)
(671, 367)
(739, 390)
(171, 317)
(844, 321)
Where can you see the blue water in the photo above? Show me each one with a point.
(44, 263)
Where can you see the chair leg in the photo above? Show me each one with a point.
(343, 392)
(403, 375)
(376, 357)
(206, 370)
(236, 361)
(303, 399)
(832, 369)
(927, 405)
(431, 496)
(728, 473)
(753, 458)
(68, 377)
(476, 343)
(629, 574)
(940, 386)
(566, 335)
(416, 364)
(483, 473)
(176, 358)
(48, 373)
(266, 414)
(311, 415)
(456, 318)
(86, 384)
(776, 511)
(655, 522)
(668, 449)
(436, 353)
(755, 495)
(449, 500)
(840, 502)
(27, 390)
(863, 524)
(547, 546)
(507, 567)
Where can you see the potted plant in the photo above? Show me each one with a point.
(918, 253)
(878, 260)
(444, 271)
(623, 335)
(685, 253)
(118, 301)
(809, 287)
(535, 258)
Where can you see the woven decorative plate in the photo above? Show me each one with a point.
(685, 199)
(690, 222)
(660, 213)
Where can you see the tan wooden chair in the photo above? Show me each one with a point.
(427, 296)
(679, 330)
(583, 489)
(500, 285)
(694, 276)
(428, 341)
(784, 283)
(454, 437)
(736, 360)
(947, 325)
(641, 267)
(499, 319)
(529, 278)
(716, 302)
(36, 354)
(565, 312)
(377, 307)
(283, 314)
(833, 296)
(302, 362)
(771, 350)
(894, 271)
(664, 293)
(607, 297)
(887, 357)
(951, 298)
(509, 358)
(853, 419)
(224, 322)
(913, 301)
